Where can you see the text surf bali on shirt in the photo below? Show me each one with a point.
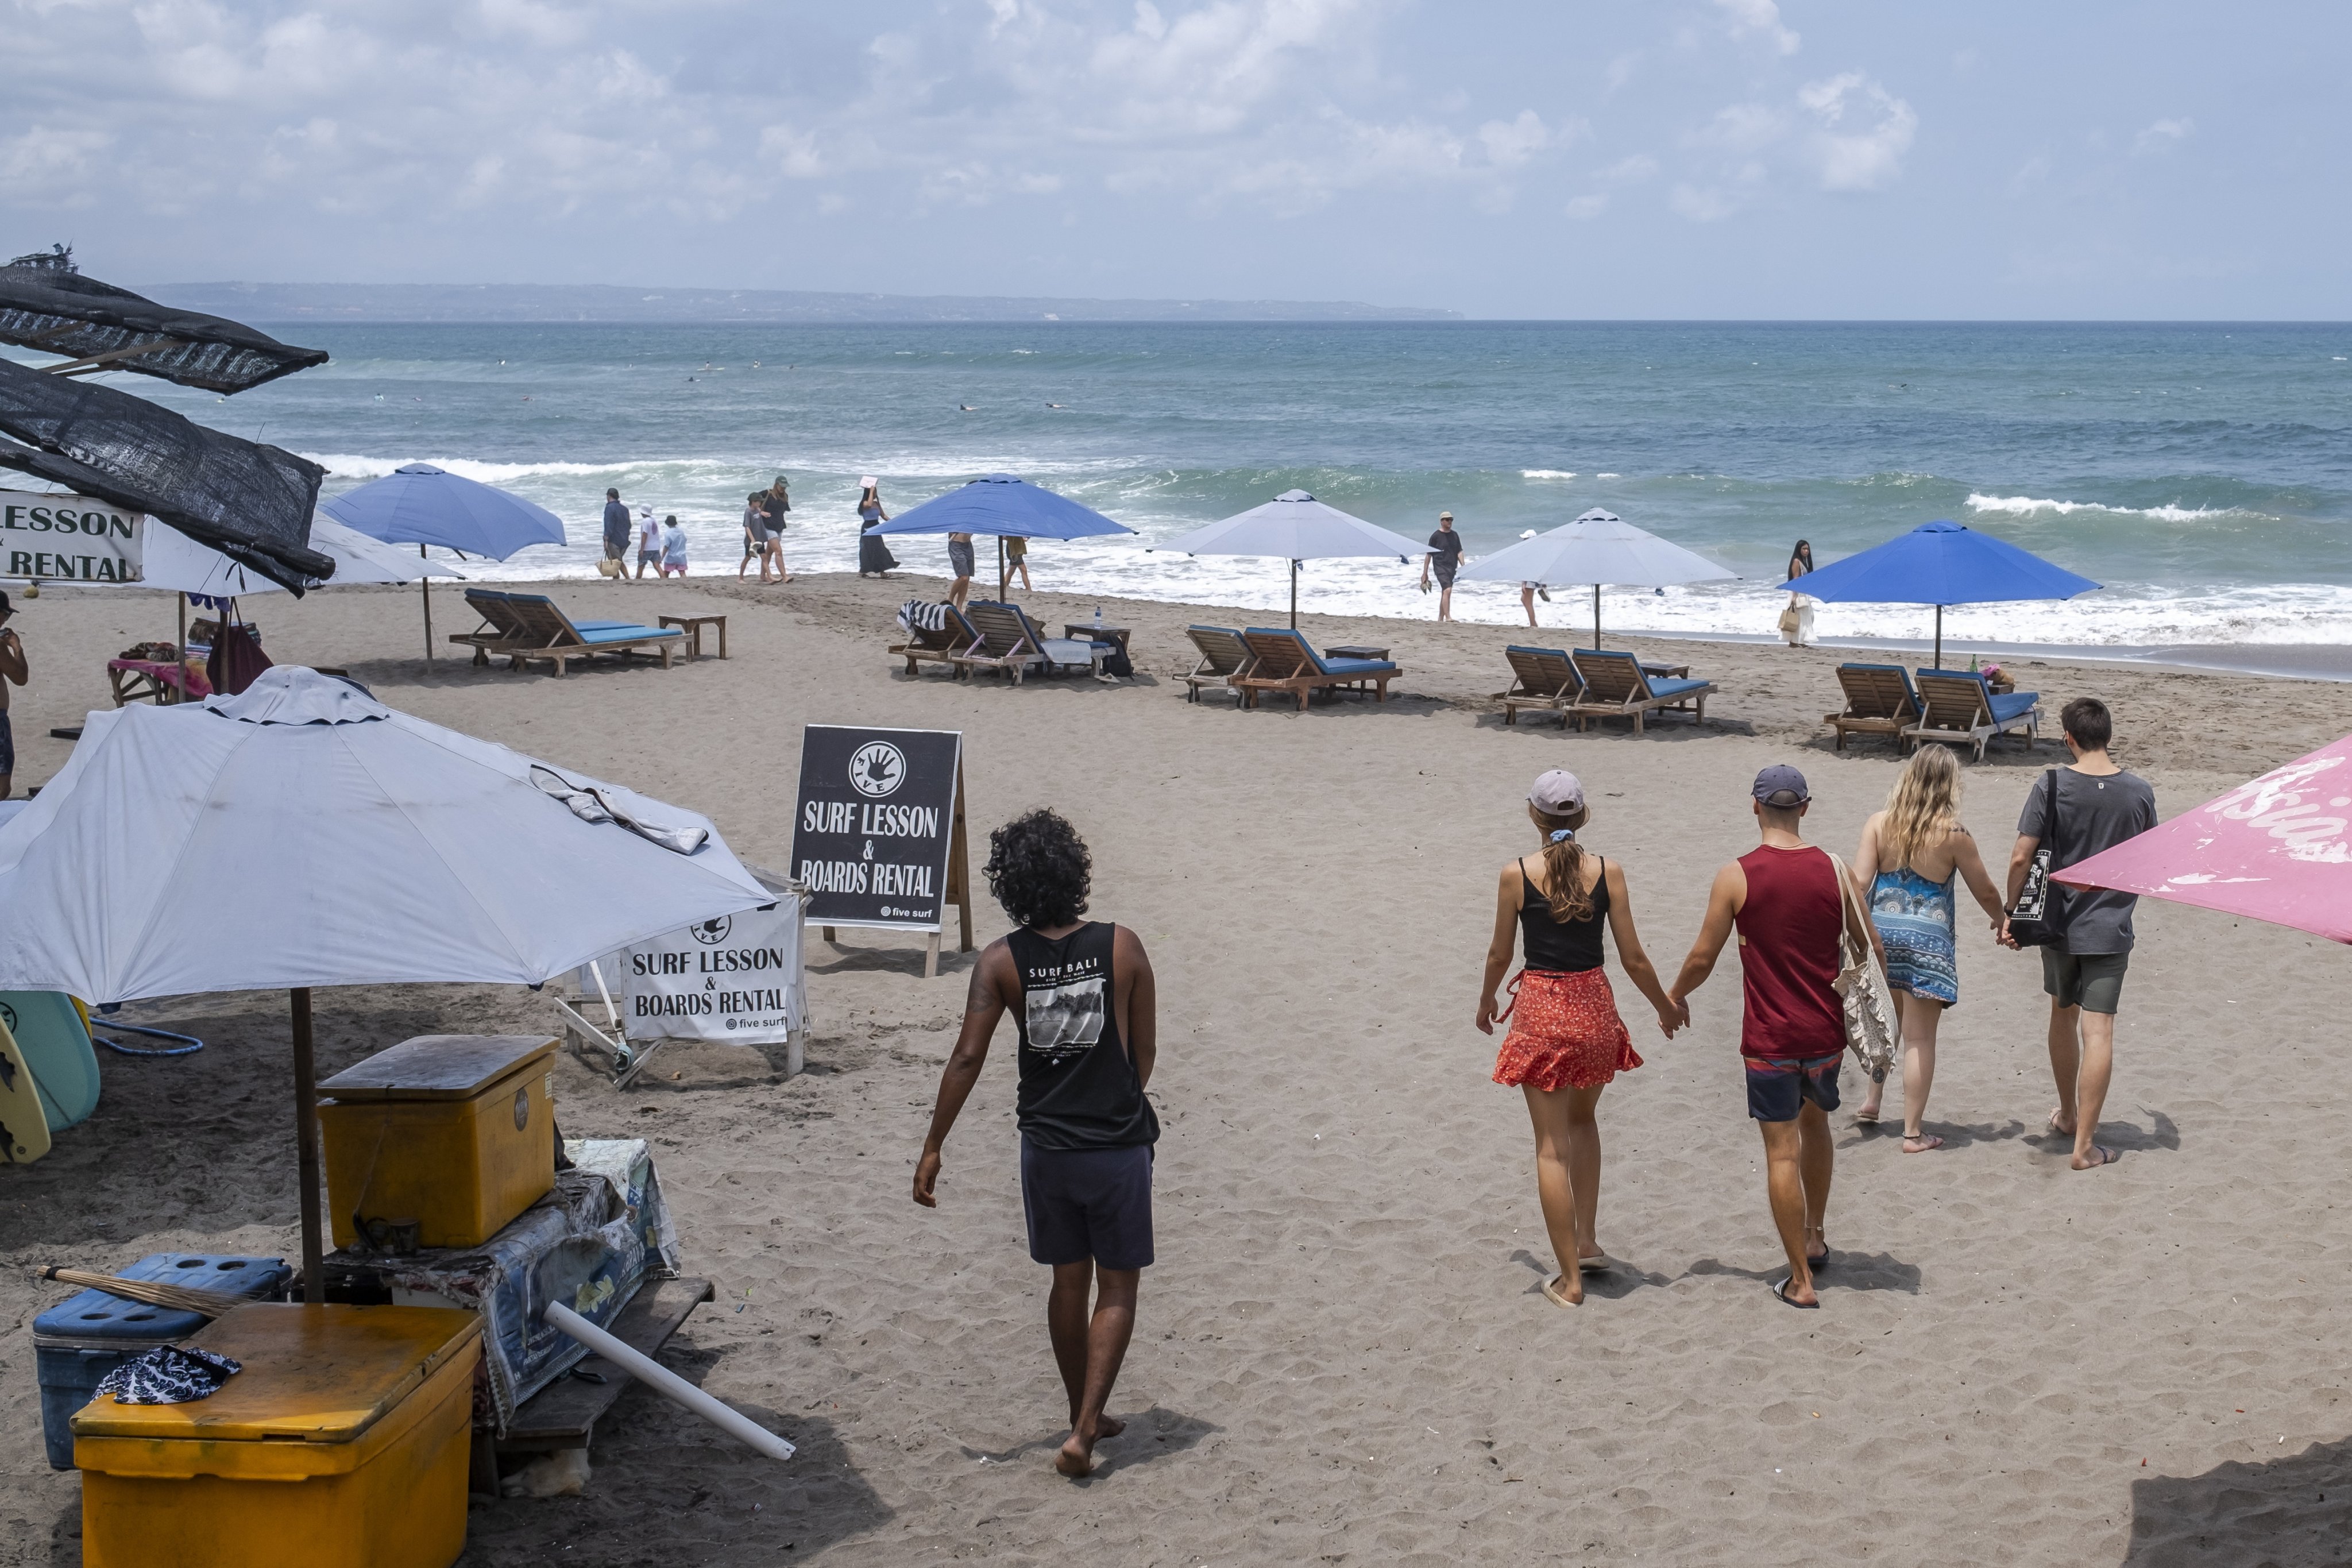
(1064, 1005)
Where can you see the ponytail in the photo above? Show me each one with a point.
(1563, 859)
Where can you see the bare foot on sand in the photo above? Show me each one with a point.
(2099, 1155)
(1077, 1454)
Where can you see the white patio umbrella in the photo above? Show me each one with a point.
(1298, 527)
(1598, 548)
(174, 562)
(302, 833)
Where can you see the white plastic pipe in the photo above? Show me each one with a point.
(668, 1383)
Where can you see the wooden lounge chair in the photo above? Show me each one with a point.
(1958, 709)
(1009, 641)
(1224, 653)
(939, 647)
(1617, 687)
(1547, 682)
(1287, 662)
(1879, 700)
(532, 628)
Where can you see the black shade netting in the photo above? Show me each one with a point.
(45, 304)
(249, 502)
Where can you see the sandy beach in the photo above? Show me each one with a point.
(1343, 1356)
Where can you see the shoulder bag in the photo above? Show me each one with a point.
(1869, 1006)
(2036, 920)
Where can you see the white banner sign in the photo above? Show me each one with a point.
(67, 539)
(735, 978)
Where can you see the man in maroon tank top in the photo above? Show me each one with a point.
(1785, 900)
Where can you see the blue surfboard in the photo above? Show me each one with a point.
(56, 1044)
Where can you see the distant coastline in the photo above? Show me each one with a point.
(610, 304)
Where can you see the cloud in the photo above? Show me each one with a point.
(2163, 136)
(1851, 159)
(1704, 203)
(1586, 207)
(1758, 18)
(1510, 143)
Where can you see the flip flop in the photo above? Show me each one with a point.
(1818, 1264)
(1601, 1263)
(1553, 1294)
(1864, 1119)
(2106, 1156)
(1929, 1139)
(2054, 1130)
(1780, 1294)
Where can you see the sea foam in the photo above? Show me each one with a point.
(2021, 506)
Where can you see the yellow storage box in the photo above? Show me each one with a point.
(343, 1441)
(452, 1132)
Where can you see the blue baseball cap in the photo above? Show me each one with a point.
(1781, 787)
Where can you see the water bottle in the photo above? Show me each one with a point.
(1972, 664)
(1097, 617)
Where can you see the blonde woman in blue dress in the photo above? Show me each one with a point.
(1912, 855)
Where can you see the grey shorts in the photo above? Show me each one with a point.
(959, 557)
(2090, 980)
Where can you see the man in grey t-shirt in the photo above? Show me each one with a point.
(2099, 807)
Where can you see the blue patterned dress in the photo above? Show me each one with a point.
(1914, 917)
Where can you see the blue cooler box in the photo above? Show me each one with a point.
(80, 1339)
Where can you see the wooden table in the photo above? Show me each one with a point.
(1087, 631)
(149, 680)
(692, 625)
(1355, 650)
(1672, 671)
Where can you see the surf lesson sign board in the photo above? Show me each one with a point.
(878, 830)
(68, 539)
(734, 978)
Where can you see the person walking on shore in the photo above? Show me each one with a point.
(1797, 619)
(1445, 559)
(673, 546)
(755, 537)
(1085, 1013)
(650, 544)
(1789, 905)
(1903, 871)
(776, 501)
(13, 671)
(874, 557)
(959, 564)
(2099, 805)
(1567, 1041)
(1016, 559)
(616, 532)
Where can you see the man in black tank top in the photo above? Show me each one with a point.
(1080, 993)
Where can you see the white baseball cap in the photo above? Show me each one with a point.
(1557, 792)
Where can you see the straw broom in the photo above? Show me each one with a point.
(154, 1292)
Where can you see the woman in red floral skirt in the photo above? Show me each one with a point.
(1565, 1041)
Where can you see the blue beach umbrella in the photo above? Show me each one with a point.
(1942, 563)
(1005, 506)
(419, 504)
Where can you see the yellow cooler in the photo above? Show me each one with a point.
(450, 1131)
(343, 1441)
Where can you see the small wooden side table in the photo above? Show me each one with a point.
(692, 625)
(1087, 631)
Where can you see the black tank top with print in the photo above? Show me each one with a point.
(1078, 1085)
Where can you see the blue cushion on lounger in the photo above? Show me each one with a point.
(2009, 705)
(1355, 666)
(623, 632)
(1661, 687)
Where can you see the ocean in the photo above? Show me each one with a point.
(2201, 472)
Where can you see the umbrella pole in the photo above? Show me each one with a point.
(1004, 579)
(1596, 617)
(1294, 595)
(425, 585)
(180, 686)
(306, 1144)
(1939, 637)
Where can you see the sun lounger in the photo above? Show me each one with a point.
(1547, 682)
(942, 646)
(1957, 707)
(1287, 662)
(1617, 687)
(1224, 653)
(531, 628)
(1009, 641)
(1879, 700)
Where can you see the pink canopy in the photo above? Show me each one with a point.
(2275, 848)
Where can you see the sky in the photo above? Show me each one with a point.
(1742, 159)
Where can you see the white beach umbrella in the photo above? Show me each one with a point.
(1297, 527)
(176, 564)
(1600, 548)
(302, 833)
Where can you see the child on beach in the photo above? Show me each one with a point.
(673, 546)
(1567, 1041)
(1791, 911)
(1910, 852)
(649, 541)
(1083, 1009)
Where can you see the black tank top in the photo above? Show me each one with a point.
(1078, 1085)
(1568, 947)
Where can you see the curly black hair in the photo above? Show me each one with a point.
(1039, 869)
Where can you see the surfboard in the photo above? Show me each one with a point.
(55, 1043)
(24, 1131)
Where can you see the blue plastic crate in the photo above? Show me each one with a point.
(84, 1337)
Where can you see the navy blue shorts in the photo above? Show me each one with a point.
(7, 745)
(1089, 1202)
(1777, 1088)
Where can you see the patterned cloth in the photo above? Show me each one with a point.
(1914, 917)
(168, 1375)
(1566, 1033)
(916, 615)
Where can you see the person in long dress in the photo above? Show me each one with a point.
(1797, 620)
(874, 557)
